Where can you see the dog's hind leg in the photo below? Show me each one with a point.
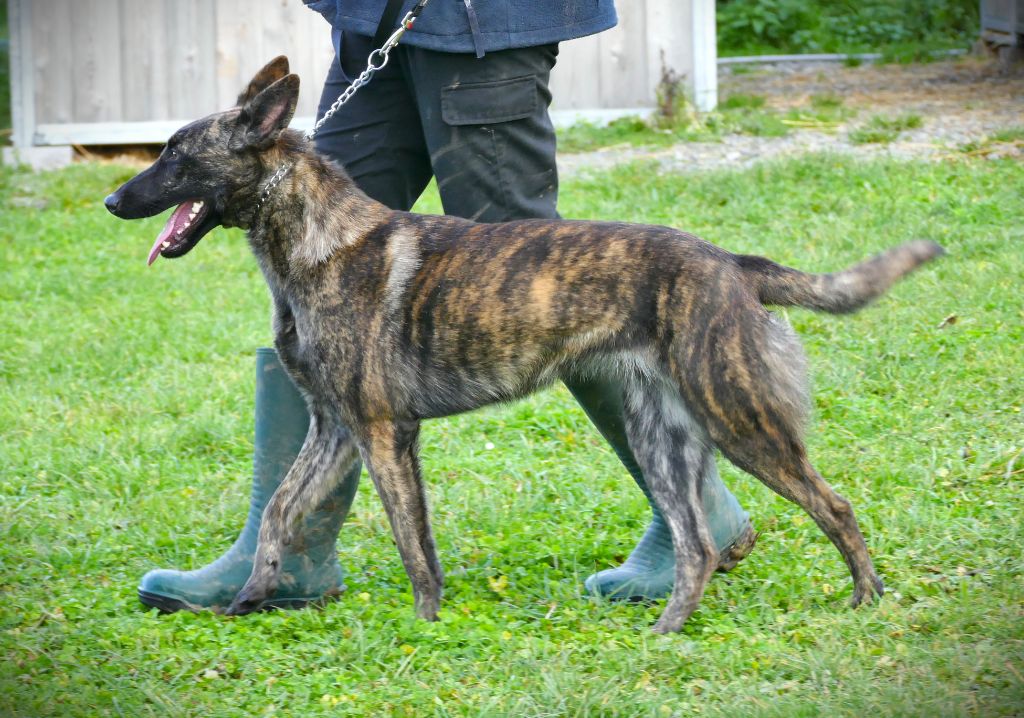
(671, 450)
(752, 402)
(390, 453)
(327, 454)
(790, 474)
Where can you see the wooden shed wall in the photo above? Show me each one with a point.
(112, 71)
(131, 61)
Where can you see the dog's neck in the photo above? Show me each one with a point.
(306, 211)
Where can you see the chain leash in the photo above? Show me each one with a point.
(374, 62)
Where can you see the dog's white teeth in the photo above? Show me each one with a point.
(196, 206)
(191, 216)
(165, 245)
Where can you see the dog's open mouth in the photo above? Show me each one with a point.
(187, 225)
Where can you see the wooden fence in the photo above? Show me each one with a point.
(131, 71)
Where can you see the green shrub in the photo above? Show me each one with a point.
(916, 26)
(772, 23)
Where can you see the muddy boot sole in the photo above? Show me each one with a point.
(170, 604)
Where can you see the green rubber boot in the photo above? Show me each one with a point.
(310, 569)
(649, 572)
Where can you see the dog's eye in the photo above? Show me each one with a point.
(172, 152)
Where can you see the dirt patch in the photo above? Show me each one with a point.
(933, 87)
(962, 103)
(136, 156)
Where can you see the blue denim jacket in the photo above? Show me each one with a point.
(445, 25)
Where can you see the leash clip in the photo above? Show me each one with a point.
(407, 22)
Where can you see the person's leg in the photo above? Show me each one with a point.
(310, 566)
(492, 148)
(486, 125)
(649, 571)
(376, 136)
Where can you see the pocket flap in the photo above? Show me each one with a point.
(480, 103)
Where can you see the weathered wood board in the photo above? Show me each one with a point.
(122, 71)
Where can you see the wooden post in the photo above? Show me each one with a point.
(705, 54)
(23, 107)
(681, 38)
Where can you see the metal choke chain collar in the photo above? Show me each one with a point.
(273, 182)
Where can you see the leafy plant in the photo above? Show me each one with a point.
(883, 129)
(911, 28)
(768, 22)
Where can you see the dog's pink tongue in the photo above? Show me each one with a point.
(178, 217)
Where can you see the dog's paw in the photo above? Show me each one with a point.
(426, 609)
(248, 600)
(674, 616)
(667, 625)
(867, 592)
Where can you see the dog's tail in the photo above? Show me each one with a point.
(839, 292)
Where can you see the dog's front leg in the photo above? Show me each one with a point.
(327, 454)
(390, 452)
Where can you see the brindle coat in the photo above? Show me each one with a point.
(386, 318)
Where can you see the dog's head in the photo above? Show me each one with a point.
(212, 168)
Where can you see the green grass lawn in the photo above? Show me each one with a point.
(126, 421)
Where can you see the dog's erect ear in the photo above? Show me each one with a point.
(271, 73)
(267, 114)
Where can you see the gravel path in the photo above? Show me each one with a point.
(959, 101)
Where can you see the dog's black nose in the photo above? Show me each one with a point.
(113, 202)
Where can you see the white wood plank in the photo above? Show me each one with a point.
(310, 54)
(97, 83)
(191, 74)
(286, 32)
(97, 65)
(123, 133)
(705, 55)
(575, 81)
(623, 62)
(145, 40)
(52, 60)
(666, 46)
(23, 106)
(239, 45)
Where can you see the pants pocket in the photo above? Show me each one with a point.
(482, 103)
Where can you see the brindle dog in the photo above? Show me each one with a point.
(386, 318)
